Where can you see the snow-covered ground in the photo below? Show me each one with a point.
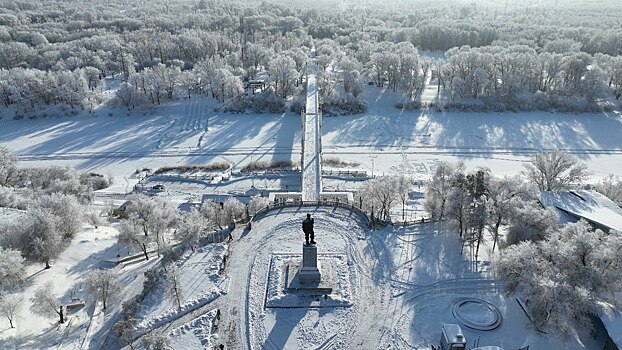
(90, 249)
(404, 284)
(170, 135)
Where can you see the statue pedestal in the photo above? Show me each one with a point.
(309, 270)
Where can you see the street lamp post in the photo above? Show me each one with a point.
(372, 164)
(252, 172)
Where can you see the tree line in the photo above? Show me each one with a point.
(58, 52)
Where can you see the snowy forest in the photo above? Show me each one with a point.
(497, 56)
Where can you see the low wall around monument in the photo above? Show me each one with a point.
(323, 203)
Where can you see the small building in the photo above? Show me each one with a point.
(452, 338)
(121, 211)
(255, 86)
(591, 206)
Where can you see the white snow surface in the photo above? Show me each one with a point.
(190, 132)
(404, 281)
(196, 334)
(89, 250)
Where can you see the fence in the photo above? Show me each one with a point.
(368, 221)
(322, 203)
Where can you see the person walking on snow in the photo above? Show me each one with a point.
(307, 228)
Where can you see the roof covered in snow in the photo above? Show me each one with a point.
(613, 323)
(589, 205)
(454, 334)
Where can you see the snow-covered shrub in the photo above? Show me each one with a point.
(409, 105)
(215, 166)
(270, 103)
(338, 162)
(265, 102)
(297, 106)
(343, 104)
(95, 181)
(233, 208)
(260, 165)
(8, 199)
(257, 203)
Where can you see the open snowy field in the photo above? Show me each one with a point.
(190, 132)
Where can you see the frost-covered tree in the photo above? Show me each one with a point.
(214, 212)
(440, 187)
(45, 303)
(130, 234)
(9, 305)
(459, 202)
(381, 194)
(127, 95)
(501, 193)
(191, 227)
(66, 209)
(125, 330)
(256, 56)
(156, 342)
(555, 170)
(41, 238)
(529, 221)
(225, 84)
(102, 284)
(154, 216)
(12, 270)
(476, 221)
(257, 203)
(611, 187)
(564, 277)
(8, 163)
(174, 288)
(233, 209)
(283, 74)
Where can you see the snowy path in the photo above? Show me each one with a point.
(430, 91)
(311, 162)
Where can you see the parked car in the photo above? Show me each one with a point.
(158, 188)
